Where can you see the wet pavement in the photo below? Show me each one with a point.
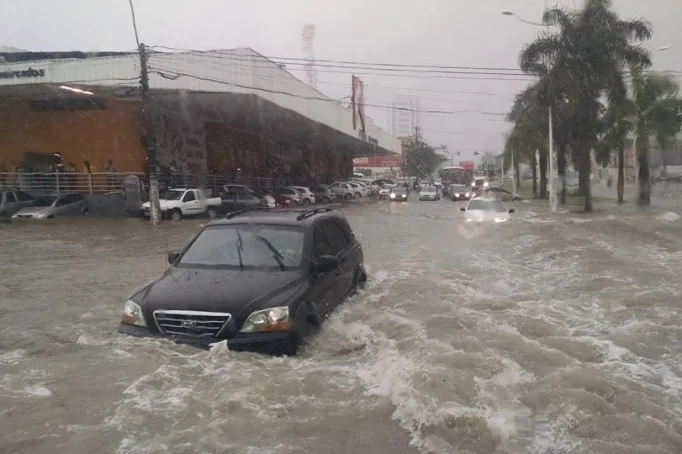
(552, 333)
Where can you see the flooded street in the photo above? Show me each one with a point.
(551, 333)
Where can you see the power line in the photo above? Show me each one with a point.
(166, 73)
(219, 53)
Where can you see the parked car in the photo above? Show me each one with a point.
(399, 193)
(359, 190)
(288, 193)
(13, 201)
(52, 206)
(181, 202)
(322, 193)
(307, 196)
(429, 193)
(342, 190)
(480, 209)
(261, 280)
(240, 197)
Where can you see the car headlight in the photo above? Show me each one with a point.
(466, 195)
(267, 320)
(498, 220)
(393, 196)
(456, 194)
(132, 314)
(485, 184)
(404, 196)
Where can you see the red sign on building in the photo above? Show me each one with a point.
(467, 165)
(378, 161)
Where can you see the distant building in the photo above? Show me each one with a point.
(406, 115)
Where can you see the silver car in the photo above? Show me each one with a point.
(429, 193)
(53, 206)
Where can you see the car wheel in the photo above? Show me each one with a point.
(360, 279)
(348, 196)
(176, 215)
(305, 202)
(325, 199)
(212, 213)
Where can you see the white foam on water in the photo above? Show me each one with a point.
(668, 216)
(12, 357)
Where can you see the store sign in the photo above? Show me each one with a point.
(378, 161)
(22, 74)
(362, 135)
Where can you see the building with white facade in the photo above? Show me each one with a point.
(230, 111)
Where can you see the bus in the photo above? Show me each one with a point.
(455, 175)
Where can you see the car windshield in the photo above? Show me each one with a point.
(171, 195)
(399, 189)
(429, 189)
(487, 205)
(246, 246)
(44, 201)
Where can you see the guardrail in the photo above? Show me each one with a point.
(108, 182)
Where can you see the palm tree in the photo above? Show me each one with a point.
(529, 115)
(584, 58)
(657, 113)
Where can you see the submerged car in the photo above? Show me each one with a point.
(429, 193)
(52, 206)
(261, 280)
(486, 210)
(399, 193)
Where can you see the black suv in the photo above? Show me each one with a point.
(262, 280)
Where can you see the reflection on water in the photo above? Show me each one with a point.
(549, 333)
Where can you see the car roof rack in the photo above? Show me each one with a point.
(312, 212)
(233, 214)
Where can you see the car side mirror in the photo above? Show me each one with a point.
(173, 257)
(462, 209)
(326, 263)
(511, 210)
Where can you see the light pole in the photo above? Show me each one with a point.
(550, 133)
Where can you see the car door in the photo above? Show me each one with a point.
(190, 204)
(324, 291)
(11, 204)
(340, 247)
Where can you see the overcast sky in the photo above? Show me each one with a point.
(425, 32)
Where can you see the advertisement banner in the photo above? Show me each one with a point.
(378, 161)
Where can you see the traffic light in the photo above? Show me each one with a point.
(476, 153)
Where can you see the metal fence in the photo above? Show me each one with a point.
(104, 183)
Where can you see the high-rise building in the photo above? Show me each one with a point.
(406, 115)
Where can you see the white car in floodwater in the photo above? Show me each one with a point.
(52, 206)
(481, 209)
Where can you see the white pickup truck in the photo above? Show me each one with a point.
(178, 203)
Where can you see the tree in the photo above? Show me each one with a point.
(422, 159)
(657, 114)
(616, 131)
(584, 59)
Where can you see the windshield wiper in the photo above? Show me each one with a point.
(240, 247)
(275, 253)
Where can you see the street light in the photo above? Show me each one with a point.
(550, 139)
(664, 48)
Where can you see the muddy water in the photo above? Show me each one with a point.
(548, 334)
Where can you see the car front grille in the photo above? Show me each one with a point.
(191, 323)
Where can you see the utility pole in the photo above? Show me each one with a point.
(149, 136)
(150, 140)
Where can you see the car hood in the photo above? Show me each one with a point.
(33, 210)
(487, 216)
(220, 290)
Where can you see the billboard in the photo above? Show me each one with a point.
(387, 161)
(468, 165)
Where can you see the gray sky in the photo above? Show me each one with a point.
(426, 32)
